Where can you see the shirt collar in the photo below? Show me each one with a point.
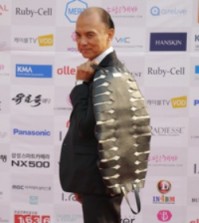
(99, 58)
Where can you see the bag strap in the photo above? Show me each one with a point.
(137, 198)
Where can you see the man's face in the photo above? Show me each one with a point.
(92, 35)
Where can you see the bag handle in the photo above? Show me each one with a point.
(137, 199)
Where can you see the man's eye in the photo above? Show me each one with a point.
(90, 35)
(76, 36)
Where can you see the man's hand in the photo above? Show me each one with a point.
(85, 71)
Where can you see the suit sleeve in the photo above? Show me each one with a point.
(81, 99)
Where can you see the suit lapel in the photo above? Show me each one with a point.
(110, 60)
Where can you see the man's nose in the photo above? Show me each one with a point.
(83, 40)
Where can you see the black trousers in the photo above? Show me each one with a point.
(101, 208)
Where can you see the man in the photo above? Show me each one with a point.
(79, 171)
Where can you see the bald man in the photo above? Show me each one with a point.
(79, 158)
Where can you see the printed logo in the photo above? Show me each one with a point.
(167, 131)
(123, 40)
(33, 71)
(195, 200)
(196, 38)
(157, 11)
(46, 40)
(196, 41)
(34, 200)
(17, 187)
(3, 220)
(164, 187)
(68, 197)
(3, 158)
(165, 72)
(127, 220)
(195, 221)
(30, 161)
(164, 215)
(29, 99)
(2, 70)
(35, 133)
(195, 169)
(68, 218)
(72, 47)
(197, 69)
(66, 70)
(31, 13)
(41, 41)
(194, 134)
(31, 188)
(168, 41)
(19, 218)
(73, 36)
(196, 102)
(124, 11)
(3, 9)
(61, 134)
(162, 159)
(74, 8)
(2, 67)
(179, 102)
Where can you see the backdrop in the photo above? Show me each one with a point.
(158, 41)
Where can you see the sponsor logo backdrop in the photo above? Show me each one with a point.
(159, 43)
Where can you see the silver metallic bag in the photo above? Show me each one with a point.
(123, 131)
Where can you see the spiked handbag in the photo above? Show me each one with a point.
(123, 131)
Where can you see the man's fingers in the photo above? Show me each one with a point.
(86, 70)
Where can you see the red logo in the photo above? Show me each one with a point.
(164, 186)
(3, 8)
(2, 66)
(73, 36)
(196, 221)
(164, 215)
(31, 218)
(66, 70)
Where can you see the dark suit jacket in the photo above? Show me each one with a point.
(78, 170)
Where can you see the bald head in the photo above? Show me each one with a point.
(104, 16)
(94, 32)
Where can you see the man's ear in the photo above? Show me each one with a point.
(111, 33)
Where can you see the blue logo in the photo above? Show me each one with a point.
(168, 41)
(197, 69)
(196, 102)
(23, 132)
(33, 200)
(124, 40)
(33, 71)
(155, 11)
(74, 8)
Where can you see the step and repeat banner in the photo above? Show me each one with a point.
(158, 41)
